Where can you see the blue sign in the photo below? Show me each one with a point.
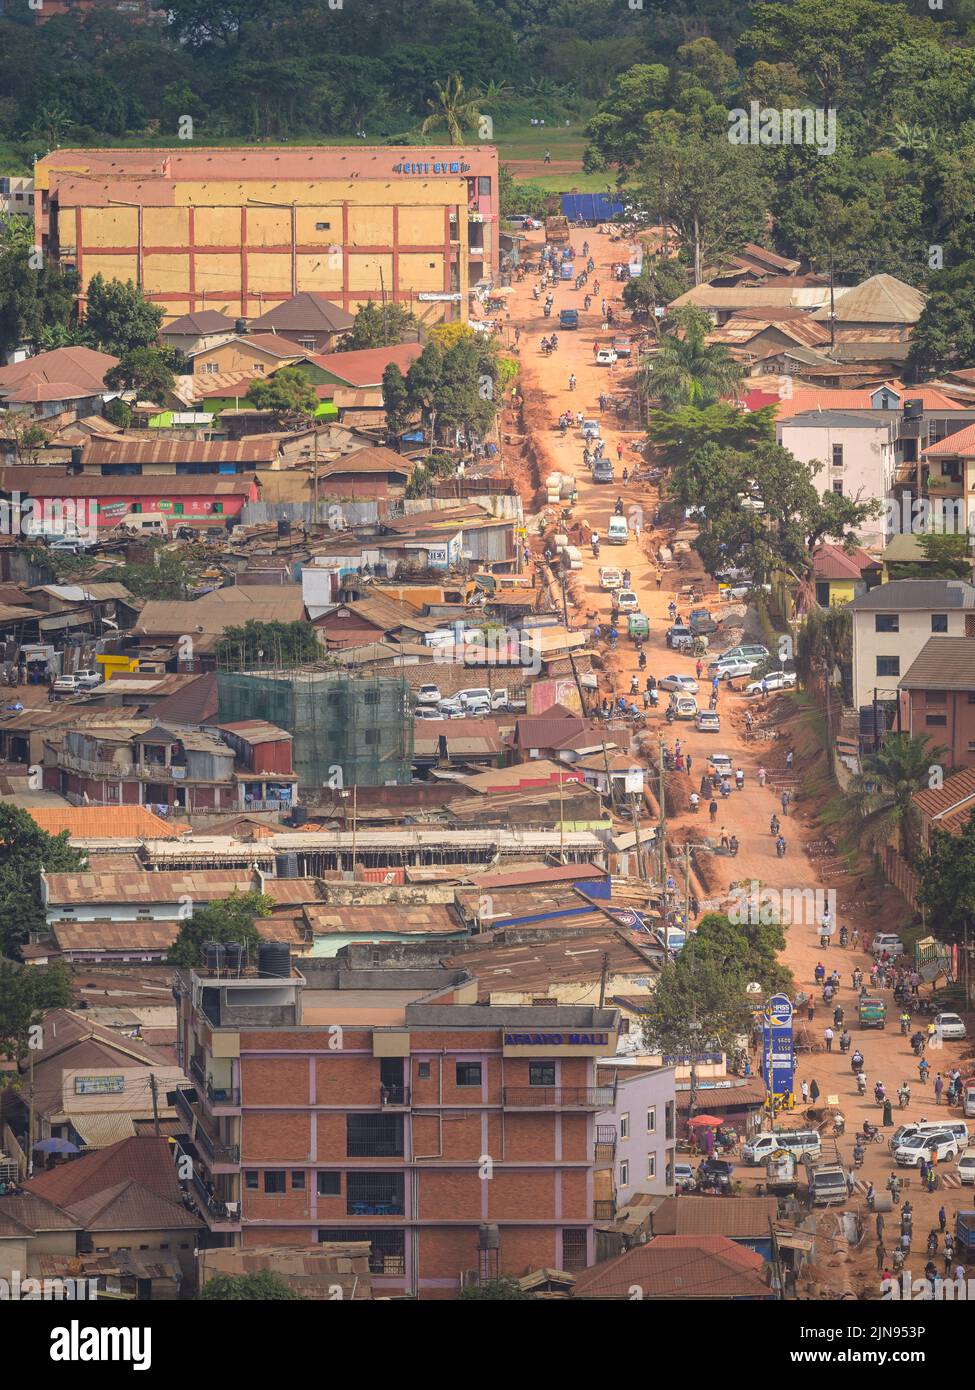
(777, 1049)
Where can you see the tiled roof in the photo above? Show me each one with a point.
(943, 663)
(144, 1159)
(103, 822)
(269, 343)
(80, 367)
(958, 791)
(194, 703)
(917, 595)
(365, 366)
(960, 444)
(833, 562)
(881, 299)
(308, 312)
(703, 1216)
(129, 1206)
(202, 322)
(34, 1211)
(678, 1267)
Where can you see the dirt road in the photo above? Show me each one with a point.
(746, 813)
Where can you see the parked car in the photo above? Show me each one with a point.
(428, 695)
(428, 712)
(610, 578)
(89, 679)
(67, 685)
(683, 1172)
(774, 680)
(475, 696)
(683, 706)
(749, 651)
(708, 721)
(687, 685)
(627, 601)
(949, 1026)
(623, 348)
(477, 709)
(451, 707)
(909, 1153)
(605, 357)
(69, 545)
(732, 670)
(966, 1168)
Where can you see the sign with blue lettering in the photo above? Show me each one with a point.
(431, 166)
(777, 1047)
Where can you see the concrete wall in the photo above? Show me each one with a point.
(914, 630)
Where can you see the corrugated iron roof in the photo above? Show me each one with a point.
(880, 299)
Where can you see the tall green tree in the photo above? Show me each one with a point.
(686, 369)
(26, 849)
(396, 401)
(269, 644)
(454, 109)
(947, 873)
(380, 326)
(883, 792)
(119, 318)
(26, 993)
(699, 1002)
(288, 393)
(146, 371)
(232, 919)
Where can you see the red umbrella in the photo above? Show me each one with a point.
(709, 1121)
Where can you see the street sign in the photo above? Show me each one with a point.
(777, 1047)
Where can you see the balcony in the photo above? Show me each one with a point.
(558, 1097)
(211, 1206)
(604, 1211)
(605, 1151)
(222, 1095)
(391, 1097)
(214, 1151)
(197, 1071)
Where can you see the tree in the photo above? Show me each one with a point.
(27, 437)
(146, 371)
(118, 412)
(679, 436)
(269, 644)
(686, 369)
(944, 336)
(945, 557)
(380, 326)
(454, 108)
(26, 993)
(504, 1289)
(618, 130)
(25, 849)
(422, 380)
(170, 574)
(751, 946)
(229, 920)
(947, 873)
(119, 318)
(883, 792)
(288, 393)
(714, 193)
(35, 297)
(396, 401)
(697, 1003)
(661, 279)
(825, 640)
(262, 1286)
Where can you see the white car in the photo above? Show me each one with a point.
(605, 357)
(732, 670)
(774, 680)
(428, 695)
(476, 696)
(591, 427)
(721, 764)
(887, 941)
(451, 708)
(477, 709)
(683, 1172)
(610, 578)
(949, 1026)
(708, 721)
(427, 712)
(687, 685)
(68, 685)
(627, 601)
(911, 1151)
(966, 1168)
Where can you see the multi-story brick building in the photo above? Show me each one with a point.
(392, 1106)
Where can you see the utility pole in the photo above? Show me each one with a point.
(155, 1103)
(640, 866)
(316, 476)
(561, 820)
(355, 790)
(662, 826)
(602, 979)
(30, 1114)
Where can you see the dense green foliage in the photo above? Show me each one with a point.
(25, 849)
(25, 993)
(947, 873)
(229, 920)
(261, 1287)
(269, 644)
(288, 393)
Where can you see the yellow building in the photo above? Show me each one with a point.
(240, 230)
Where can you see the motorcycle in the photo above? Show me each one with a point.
(844, 936)
(904, 1097)
(861, 1085)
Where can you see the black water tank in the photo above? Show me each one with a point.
(913, 409)
(76, 456)
(286, 865)
(214, 955)
(240, 326)
(236, 957)
(284, 528)
(299, 815)
(274, 958)
(489, 1237)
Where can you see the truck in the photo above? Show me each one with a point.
(568, 319)
(825, 1181)
(557, 231)
(872, 1012)
(567, 271)
(780, 1173)
(589, 208)
(965, 1235)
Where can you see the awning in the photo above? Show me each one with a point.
(98, 1131)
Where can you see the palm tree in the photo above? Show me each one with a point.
(455, 108)
(884, 791)
(686, 369)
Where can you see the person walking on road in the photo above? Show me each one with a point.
(939, 1086)
(762, 775)
(784, 798)
(813, 1091)
(828, 1037)
(713, 809)
(805, 1093)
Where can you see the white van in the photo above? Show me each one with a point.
(797, 1141)
(684, 706)
(618, 533)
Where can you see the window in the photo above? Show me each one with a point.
(211, 368)
(888, 665)
(939, 721)
(297, 1181)
(217, 508)
(374, 1136)
(423, 1071)
(624, 1173)
(838, 486)
(258, 367)
(624, 1126)
(387, 1253)
(307, 343)
(274, 1183)
(837, 455)
(251, 1182)
(573, 1248)
(971, 746)
(887, 622)
(371, 736)
(374, 1194)
(939, 622)
(484, 185)
(178, 508)
(468, 1073)
(541, 1073)
(329, 1184)
(651, 1165)
(651, 1119)
(936, 697)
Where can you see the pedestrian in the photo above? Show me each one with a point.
(805, 1093)
(923, 1170)
(939, 1086)
(810, 1010)
(850, 1182)
(713, 809)
(659, 578)
(942, 1218)
(788, 760)
(762, 774)
(724, 838)
(785, 803)
(688, 764)
(813, 1092)
(828, 1035)
(880, 1225)
(881, 1256)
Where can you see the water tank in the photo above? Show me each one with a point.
(299, 815)
(913, 409)
(274, 958)
(214, 955)
(286, 865)
(240, 326)
(488, 1237)
(236, 957)
(76, 457)
(284, 528)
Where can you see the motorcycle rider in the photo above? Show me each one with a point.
(904, 1095)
